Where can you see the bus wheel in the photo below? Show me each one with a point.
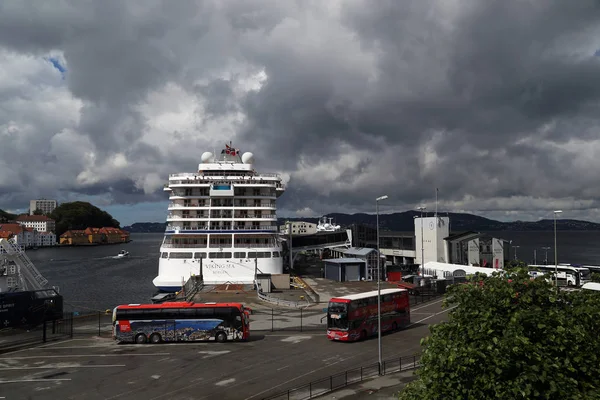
(140, 338)
(155, 338)
(221, 337)
(394, 326)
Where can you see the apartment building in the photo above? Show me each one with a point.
(44, 205)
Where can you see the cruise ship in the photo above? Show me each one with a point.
(221, 223)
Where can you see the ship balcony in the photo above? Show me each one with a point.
(166, 188)
(251, 195)
(174, 196)
(171, 217)
(259, 204)
(254, 245)
(213, 228)
(184, 245)
(255, 216)
(226, 244)
(221, 216)
(217, 203)
(174, 205)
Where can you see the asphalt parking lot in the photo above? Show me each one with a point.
(98, 368)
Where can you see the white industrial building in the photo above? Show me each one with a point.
(430, 233)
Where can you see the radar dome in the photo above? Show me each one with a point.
(248, 158)
(207, 157)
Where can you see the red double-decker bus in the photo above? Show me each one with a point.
(354, 317)
(180, 321)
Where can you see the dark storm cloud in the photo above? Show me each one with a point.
(495, 103)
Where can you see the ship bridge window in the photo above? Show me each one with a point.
(259, 254)
(199, 255)
(276, 254)
(239, 254)
(220, 255)
(165, 255)
(221, 187)
(181, 255)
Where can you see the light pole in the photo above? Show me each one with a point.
(546, 260)
(377, 200)
(516, 247)
(422, 209)
(556, 212)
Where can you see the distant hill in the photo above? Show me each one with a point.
(458, 222)
(404, 222)
(146, 227)
(4, 216)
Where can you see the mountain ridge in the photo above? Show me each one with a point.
(403, 221)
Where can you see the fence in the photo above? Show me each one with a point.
(100, 323)
(12, 339)
(338, 381)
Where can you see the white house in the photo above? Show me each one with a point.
(40, 223)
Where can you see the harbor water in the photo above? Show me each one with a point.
(92, 278)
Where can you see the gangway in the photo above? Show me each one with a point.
(319, 242)
(31, 279)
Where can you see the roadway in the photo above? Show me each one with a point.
(98, 368)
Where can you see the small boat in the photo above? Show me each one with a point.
(122, 253)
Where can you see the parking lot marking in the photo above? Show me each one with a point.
(433, 315)
(298, 377)
(426, 305)
(35, 380)
(83, 355)
(64, 366)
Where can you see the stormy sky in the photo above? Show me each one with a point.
(496, 103)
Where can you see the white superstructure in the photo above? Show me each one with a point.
(325, 225)
(222, 223)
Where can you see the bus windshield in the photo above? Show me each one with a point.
(585, 273)
(337, 316)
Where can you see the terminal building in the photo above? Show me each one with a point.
(431, 241)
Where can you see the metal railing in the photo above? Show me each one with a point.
(232, 228)
(15, 338)
(338, 381)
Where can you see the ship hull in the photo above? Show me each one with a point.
(173, 273)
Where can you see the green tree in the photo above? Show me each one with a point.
(511, 337)
(80, 215)
(4, 216)
(596, 277)
(37, 211)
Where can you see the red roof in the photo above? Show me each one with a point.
(14, 228)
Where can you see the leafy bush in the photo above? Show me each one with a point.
(511, 337)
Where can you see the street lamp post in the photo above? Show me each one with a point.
(422, 209)
(516, 247)
(556, 212)
(546, 259)
(377, 200)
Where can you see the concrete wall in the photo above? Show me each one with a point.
(280, 281)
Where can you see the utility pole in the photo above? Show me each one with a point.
(290, 246)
